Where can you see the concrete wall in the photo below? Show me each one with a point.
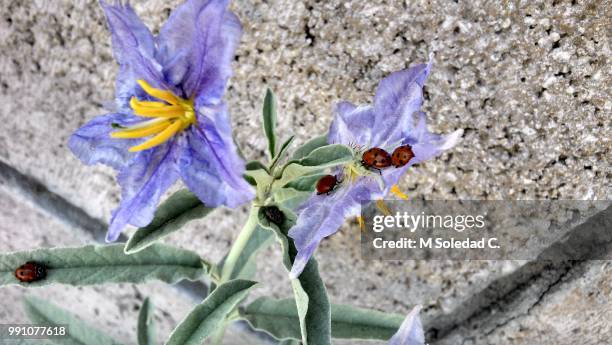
(528, 82)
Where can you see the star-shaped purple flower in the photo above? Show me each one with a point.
(170, 121)
(387, 124)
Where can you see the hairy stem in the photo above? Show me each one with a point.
(239, 244)
(217, 338)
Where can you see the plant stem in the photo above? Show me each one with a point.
(239, 244)
(231, 260)
(219, 334)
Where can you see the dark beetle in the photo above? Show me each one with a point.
(30, 272)
(274, 215)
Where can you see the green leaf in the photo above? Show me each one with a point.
(205, 318)
(319, 159)
(42, 312)
(146, 323)
(245, 266)
(310, 294)
(281, 152)
(269, 121)
(290, 198)
(261, 179)
(255, 165)
(290, 342)
(105, 264)
(297, 191)
(327, 156)
(285, 146)
(309, 146)
(280, 319)
(180, 208)
(350, 322)
(305, 183)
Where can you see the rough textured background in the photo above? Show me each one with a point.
(528, 82)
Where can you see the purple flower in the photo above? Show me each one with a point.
(170, 121)
(387, 124)
(411, 330)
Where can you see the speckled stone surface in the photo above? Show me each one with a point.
(527, 82)
(576, 310)
(585, 299)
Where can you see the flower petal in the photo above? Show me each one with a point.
(134, 50)
(143, 181)
(209, 164)
(197, 46)
(92, 143)
(411, 330)
(425, 146)
(391, 91)
(351, 125)
(322, 215)
(398, 97)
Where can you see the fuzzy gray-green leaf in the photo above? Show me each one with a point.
(42, 312)
(205, 318)
(309, 146)
(280, 318)
(297, 191)
(269, 121)
(255, 165)
(105, 264)
(290, 198)
(261, 179)
(327, 156)
(146, 323)
(311, 299)
(281, 152)
(319, 159)
(349, 322)
(180, 208)
(305, 183)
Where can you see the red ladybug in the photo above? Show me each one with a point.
(326, 184)
(376, 158)
(30, 272)
(401, 156)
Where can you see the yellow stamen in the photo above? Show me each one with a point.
(145, 124)
(396, 190)
(189, 115)
(170, 117)
(141, 132)
(157, 111)
(380, 204)
(158, 93)
(160, 138)
(147, 104)
(361, 222)
(352, 173)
